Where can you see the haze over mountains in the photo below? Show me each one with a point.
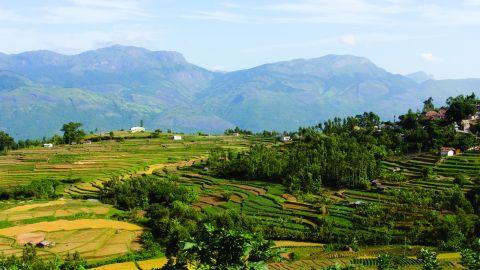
(116, 87)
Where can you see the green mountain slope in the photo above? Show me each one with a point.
(116, 87)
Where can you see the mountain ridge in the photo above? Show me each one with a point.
(117, 86)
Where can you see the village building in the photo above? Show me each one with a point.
(434, 115)
(48, 145)
(177, 137)
(447, 151)
(285, 138)
(356, 203)
(43, 244)
(137, 129)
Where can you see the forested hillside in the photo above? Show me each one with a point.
(116, 87)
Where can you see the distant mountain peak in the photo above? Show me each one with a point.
(132, 51)
(419, 76)
(328, 66)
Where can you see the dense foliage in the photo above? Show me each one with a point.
(307, 165)
(72, 132)
(181, 229)
(31, 261)
(471, 256)
(144, 191)
(220, 248)
(44, 189)
(6, 142)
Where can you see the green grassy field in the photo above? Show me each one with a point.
(105, 159)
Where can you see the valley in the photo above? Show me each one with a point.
(77, 221)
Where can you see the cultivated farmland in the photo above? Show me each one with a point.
(69, 226)
(105, 159)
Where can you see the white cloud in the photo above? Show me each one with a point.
(348, 40)
(93, 11)
(429, 57)
(70, 43)
(216, 16)
(77, 12)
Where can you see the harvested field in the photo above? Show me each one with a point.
(289, 197)
(145, 265)
(69, 225)
(212, 200)
(299, 206)
(297, 244)
(50, 211)
(254, 190)
(35, 205)
(32, 238)
(94, 239)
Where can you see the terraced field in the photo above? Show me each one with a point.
(314, 257)
(263, 203)
(69, 225)
(467, 163)
(412, 167)
(105, 159)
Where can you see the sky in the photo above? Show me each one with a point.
(439, 37)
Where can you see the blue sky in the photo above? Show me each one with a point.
(402, 36)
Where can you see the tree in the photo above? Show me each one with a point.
(461, 107)
(368, 119)
(428, 105)
(72, 132)
(460, 180)
(386, 262)
(471, 256)
(409, 120)
(6, 142)
(428, 259)
(220, 248)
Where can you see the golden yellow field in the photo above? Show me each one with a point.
(61, 208)
(69, 225)
(296, 244)
(145, 265)
(87, 229)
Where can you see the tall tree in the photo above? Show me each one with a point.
(461, 107)
(219, 248)
(6, 142)
(428, 105)
(72, 132)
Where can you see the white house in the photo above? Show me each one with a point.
(447, 151)
(48, 145)
(285, 138)
(177, 137)
(137, 129)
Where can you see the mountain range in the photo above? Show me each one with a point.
(117, 86)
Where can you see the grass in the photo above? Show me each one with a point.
(105, 159)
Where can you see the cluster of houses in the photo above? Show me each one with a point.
(464, 127)
(465, 124)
